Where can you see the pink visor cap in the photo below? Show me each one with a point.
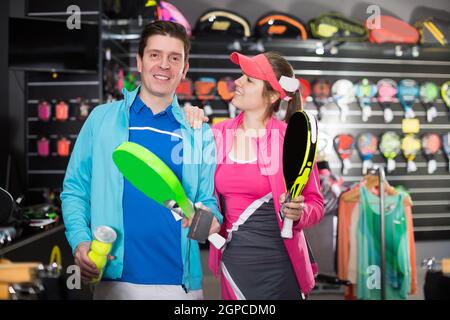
(258, 67)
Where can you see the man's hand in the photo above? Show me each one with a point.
(195, 116)
(187, 222)
(88, 268)
(294, 209)
(215, 226)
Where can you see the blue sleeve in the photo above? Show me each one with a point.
(207, 170)
(76, 194)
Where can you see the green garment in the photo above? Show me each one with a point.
(397, 268)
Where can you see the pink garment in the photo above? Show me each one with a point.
(272, 167)
(226, 291)
(235, 190)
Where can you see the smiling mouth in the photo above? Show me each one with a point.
(161, 77)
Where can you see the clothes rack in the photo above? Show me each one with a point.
(382, 180)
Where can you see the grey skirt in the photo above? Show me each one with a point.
(256, 260)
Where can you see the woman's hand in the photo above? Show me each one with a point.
(195, 116)
(294, 209)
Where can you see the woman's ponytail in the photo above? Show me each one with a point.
(281, 67)
(295, 104)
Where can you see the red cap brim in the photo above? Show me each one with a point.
(258, 67)
(248, 66)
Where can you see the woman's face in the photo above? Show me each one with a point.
(249, 94)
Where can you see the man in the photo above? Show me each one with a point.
(152, 256)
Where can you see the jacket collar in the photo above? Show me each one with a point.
(130, 96)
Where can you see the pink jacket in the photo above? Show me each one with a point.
(313, 211)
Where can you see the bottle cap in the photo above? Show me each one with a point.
(105, 234)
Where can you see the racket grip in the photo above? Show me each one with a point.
(217, 240)
(286, 232)
(199, 230)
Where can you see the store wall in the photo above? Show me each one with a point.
(16, 114)
(4, 106)
(407, 10)
(430, 249)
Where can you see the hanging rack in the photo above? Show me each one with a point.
(382, 182)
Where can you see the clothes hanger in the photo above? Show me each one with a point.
(371, 182)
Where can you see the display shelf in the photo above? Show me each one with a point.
(53, 85)
(30, 238)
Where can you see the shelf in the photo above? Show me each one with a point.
(363, 50)
(328, 59)
(63, 83)
(23, 241)
(44, 69)
(129, 30)
(57, 14)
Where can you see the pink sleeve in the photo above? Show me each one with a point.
(313, 211)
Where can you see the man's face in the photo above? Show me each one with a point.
(162, 65)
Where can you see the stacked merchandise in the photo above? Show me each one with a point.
(64, 111)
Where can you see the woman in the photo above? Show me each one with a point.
(256, 263)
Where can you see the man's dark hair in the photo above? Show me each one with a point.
(165, 28)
